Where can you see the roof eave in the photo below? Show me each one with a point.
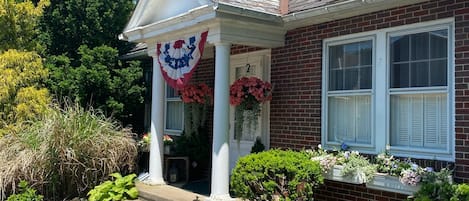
(197, 16)
(340, 10)
(193, 16)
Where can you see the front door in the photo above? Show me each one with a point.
(248, 65)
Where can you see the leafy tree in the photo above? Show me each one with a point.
(19, 24)
(21, 95)
(83, 50)
(69, 24)
(101, 81)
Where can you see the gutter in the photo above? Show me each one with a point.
(333, 8)
(248, 12)
(340, 10)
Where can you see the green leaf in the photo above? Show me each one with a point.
(116, 175)
(133, 193)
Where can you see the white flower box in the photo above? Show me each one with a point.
(391, 184)
(335, 174)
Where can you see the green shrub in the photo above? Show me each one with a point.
(121, 188)
(461, 193)
(65, 153)
(276, 174)
(438, 191)
(27, 193)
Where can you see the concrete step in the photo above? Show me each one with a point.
(166, 193)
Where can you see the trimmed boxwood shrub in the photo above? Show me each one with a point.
(276, 175)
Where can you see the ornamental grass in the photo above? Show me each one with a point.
(65, 154)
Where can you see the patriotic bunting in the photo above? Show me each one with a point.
(178, 59)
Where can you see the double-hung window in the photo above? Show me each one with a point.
(418, 66)
(349, 92)
(391, 88)
(174, 112)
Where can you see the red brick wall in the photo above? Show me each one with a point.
(338, 191)
(296, 74)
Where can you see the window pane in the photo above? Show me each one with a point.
(351, 52)
(400, 48)
(419, 120)
(400, 75)
(419, 47)
(439, 44)
(350, 66)
(366, 53)
(336, 57)
(250, 129)
(336, 79)
(419, 74)
(365, 78)
(351, 79)
(171, 93)
(349, 119)
(438, 73)
(174, 115)
(427, 59)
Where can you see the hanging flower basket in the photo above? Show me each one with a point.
(196, 93)
(197, 98)
(247, 93)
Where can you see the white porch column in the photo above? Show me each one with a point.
(157, 125)
(221, 152)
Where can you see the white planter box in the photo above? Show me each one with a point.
(392, 184)
(335, 174)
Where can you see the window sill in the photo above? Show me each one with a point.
(173, 132)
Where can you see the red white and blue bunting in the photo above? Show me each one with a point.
(178, 59)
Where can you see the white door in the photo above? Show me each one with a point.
(248, 66)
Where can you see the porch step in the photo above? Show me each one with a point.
(166, 193)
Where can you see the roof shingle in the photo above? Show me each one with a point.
(300, 5)
(267, 6)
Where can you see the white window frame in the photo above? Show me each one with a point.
(167, 100)
(327, 93)
(381, 91)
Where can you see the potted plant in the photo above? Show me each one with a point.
(396, 175)
(246, 94)
(344, 166)
(144, 143)
(168, 143)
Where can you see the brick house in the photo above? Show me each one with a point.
(371, 73)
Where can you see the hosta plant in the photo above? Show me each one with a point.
(121, 188)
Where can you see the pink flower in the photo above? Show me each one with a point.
(249, 89)
(196, 93)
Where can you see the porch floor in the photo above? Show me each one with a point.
(166, 193)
